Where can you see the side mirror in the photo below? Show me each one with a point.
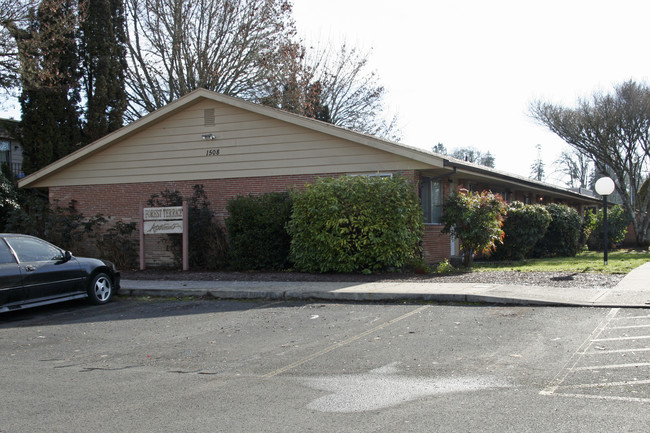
(67, 256)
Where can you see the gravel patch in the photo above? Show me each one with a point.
(553, 279)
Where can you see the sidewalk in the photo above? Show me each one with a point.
(633, 291)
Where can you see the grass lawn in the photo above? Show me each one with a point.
(620, 262)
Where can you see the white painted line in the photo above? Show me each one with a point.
(602, 397)
(612, 366)
(605, 385)
(633, 317)
(640, 337)
(578, 354)
(606, 351)
(630, 327)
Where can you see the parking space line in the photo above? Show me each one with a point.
(556, 386)
(605, 397)
(342, 343)
(630, 327)
(611, 366)
(640, 337)
(570, 365)
(607, 352)
(604, 385)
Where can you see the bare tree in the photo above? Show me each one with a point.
(228, 46)
(352, 91)
(473, 155)
(14, 18)
(575, 167)
(614, 130)
(334, 85)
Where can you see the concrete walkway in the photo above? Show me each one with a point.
(632, 291)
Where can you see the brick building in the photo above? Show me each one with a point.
(234, 147)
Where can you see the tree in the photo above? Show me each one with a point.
(14, 15)
(334, 85)
(49, 127)
(537, 168)
(473, 155)
(576, 167)
(103, 54)
(476, 220)
(352, 92)
(614, 130)
(440, 148)
(235, 47)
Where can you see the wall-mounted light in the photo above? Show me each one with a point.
(208, 137)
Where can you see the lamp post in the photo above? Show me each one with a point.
(605, 186)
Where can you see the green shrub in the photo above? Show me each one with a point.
(524, 225)
(445, 267)
(475, 219)
(562, 237)
(618, 221)
(352, 224)
(257, 234)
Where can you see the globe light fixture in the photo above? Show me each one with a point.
(605, 186)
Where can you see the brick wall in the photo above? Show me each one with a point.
(436, 245)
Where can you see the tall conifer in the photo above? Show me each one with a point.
(50, 97)
(103, 52)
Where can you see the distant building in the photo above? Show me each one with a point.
(11, 152)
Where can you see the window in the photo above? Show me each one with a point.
(34, 250)
(5, 254)
(5, 148)
(431, 197)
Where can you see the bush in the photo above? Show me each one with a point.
(524, 225)
(119, 245)
(207, 239)
(257, 234)
(476, 220)
(618, 221)
(61, 226)
(562, 238)
(352, 224)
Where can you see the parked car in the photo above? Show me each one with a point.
(34, 272)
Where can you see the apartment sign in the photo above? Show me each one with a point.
(161, 220)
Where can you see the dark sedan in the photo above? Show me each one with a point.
(34, 272)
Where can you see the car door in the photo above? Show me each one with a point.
(11, 287)
(45, 271)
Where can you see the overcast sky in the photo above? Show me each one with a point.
(463, 73)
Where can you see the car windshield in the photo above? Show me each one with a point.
(34, 250)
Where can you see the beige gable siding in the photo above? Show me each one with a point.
(248, 145)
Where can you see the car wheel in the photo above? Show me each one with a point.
(101, 289)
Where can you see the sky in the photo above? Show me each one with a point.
(463, 73)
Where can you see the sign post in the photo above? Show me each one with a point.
(162, 220)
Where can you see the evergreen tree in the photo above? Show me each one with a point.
(103, 53)
(50, 95)
(537, 168)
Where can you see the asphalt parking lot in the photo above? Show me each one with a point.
(141, 364)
